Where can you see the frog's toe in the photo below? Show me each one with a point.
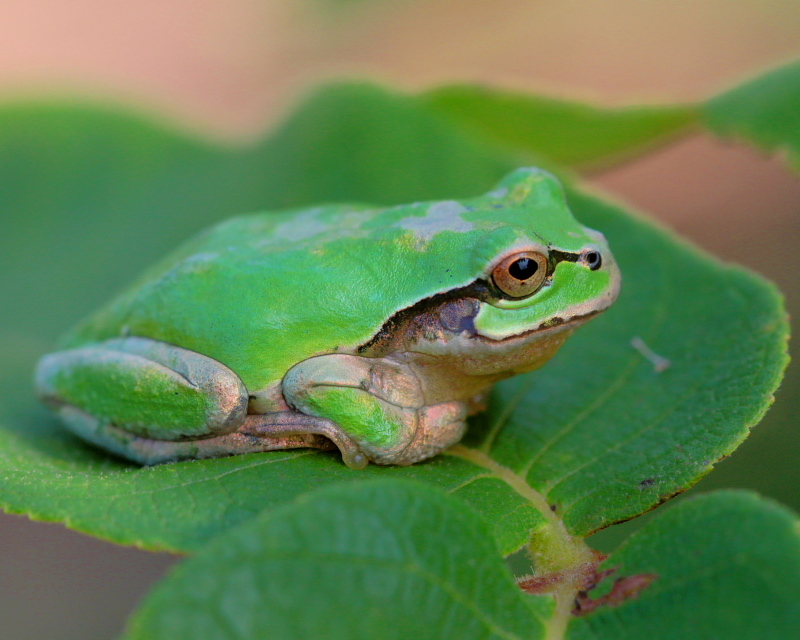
(356, 461)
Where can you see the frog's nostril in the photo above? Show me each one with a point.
(593, 260)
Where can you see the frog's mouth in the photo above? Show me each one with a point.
(553, 325)
(581, 314)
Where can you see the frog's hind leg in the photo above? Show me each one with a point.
(146, 387)
(260, 433)
(122, 391)
(291, 426)
(152, 402)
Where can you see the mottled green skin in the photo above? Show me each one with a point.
(262, 292)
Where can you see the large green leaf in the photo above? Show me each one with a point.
(557, 132)
(385, 560)
(596, 436)
(726, 565)
(764, 111)
(392, 559)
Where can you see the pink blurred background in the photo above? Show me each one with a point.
(231, 68)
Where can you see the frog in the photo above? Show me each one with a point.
(373, 330)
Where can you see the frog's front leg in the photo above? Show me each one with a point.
(377, 403)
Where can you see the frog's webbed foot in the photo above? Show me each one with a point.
(376, 403)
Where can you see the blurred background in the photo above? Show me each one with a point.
(230, 68)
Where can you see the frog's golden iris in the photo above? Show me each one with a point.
(520, 274)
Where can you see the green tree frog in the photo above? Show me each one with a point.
(374, 330)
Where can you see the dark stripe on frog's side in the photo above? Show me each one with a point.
(426, 311)
(439, 314)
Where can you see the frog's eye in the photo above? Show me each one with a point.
(520, 274)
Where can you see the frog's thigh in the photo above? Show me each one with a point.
(143, 387)
(377, 403)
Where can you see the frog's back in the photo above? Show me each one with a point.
(260, 293)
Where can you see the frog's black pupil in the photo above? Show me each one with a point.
(594, 260)
(523, 268)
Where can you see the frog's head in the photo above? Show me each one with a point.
(543, 269)
(536, 274)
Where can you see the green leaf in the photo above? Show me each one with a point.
(558, 132)
(383, 559)
(764, 111)
(179, 507)
(598, 434)
(727, 565)
(392, 559)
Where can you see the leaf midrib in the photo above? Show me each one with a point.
(564, 594)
